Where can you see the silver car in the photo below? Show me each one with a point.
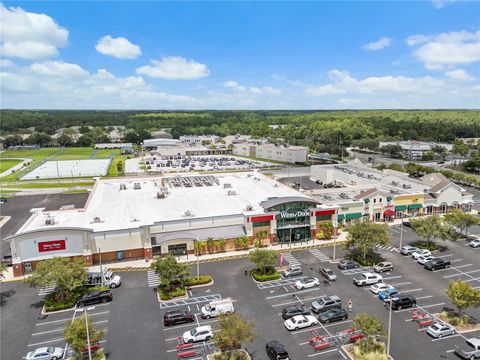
(45, 353)
(328, 274)
(439, 329)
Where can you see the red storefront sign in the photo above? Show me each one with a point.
(260, 218)
(324, 212)
(51, 245)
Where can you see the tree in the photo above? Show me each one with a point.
(3, 268)
(463, 295)
(65, 140)
(263, 259)
(393, 150)
(40, 139)
(430, 228)
(13, 140)
(234, 333)
(75, 334)
(460, 148)
(396, 167)
(120, 166)
(366, 235)
(462, 220)
(372, 328)
(171, 273)
(65, 274)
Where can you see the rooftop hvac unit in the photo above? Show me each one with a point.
(96, 219)
(249, 208)
(123, 187)
(227, 185)
(188, 213)
(231, 192)
(137, 186)
(49, 221)
(275, 185)
(396, 183)
(161, 195)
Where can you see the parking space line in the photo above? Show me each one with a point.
(55, 321)
(400, 284)
(422, 307)
(189, 325)
(412, 290)
(424, 297)
(338, 323)
(465, 272)
(289, 294)
(447, 337)
(392, 277)
(62, 329)
(451, 261)
(293, 302)
(48, 341)
(443, 256)
(323, 352)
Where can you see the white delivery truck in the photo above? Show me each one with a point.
(217, 308)
(96, 273)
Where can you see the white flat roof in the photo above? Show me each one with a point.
(123, 209)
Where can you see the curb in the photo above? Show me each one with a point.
(43, 312)
(184, 297)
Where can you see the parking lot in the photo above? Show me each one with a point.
(134, 326)
(200, 163)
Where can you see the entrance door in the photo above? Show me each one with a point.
(293, 234)
(177, 249)
(27, 267)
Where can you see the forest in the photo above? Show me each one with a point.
(322, 131)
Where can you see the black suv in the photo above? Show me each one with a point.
(436, 264)
(276, 351)
(332, 315)
(348, 264)
(95, 298)
(400, 302)
(294, 310)
(175, 317)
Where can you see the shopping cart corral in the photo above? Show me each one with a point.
(341, 338)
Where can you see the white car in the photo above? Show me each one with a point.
(201, 333)
(440, 329)
(376, 288)
(45, 353)
(424, 258)
(367, 278)
(419, 253)
(475, 243)
(300, 322)
(307, 283)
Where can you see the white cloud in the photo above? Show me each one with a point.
(5, 63)
(445, 50)
(460, 75)
(30, 35)
(256, 90)
(379, 44)
(439, 4)
(119, 48)
(58, 69)
(174, 68)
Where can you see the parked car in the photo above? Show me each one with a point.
(307, 283)
(440, 329)
(332, 315)
(367, 278)
(469, 350)
(387, 294)
(95, 298)
(300, 322)
(45, 353)
(217, 308)
(292, 271)
(327, 274)
(376, 288)
(408, 250)
(175, 317)
(7, 259)
(383, 266)
(276, 351)
(326, 303)
(424, 259)
(3, 200)
(475, 243)
(294, 310)
(201, 333)
(436, 264)
(399, 302)
(348, 264)
(407, 224)
(420, 252)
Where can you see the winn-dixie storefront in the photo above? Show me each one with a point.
(292, 219)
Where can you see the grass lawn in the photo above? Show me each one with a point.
(74, 153)
(36, 155)
(105, 154)
(48, 185)
(7, 164)
(112, 172)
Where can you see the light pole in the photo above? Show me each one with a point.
(389, 326)
(401, 231)
(88, 332)
(100, 259)
(334, 244)
(290, 236)
(198, 260)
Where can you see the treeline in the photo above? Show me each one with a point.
(322, 131)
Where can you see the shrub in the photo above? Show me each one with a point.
(454, 318)
(271, 274)
(202, 279)
(423, 245)
(369, 349)
(52, 305)
(370, 260)
(169, 295)
(236, 355)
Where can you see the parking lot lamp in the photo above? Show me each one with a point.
(197, 245)
(334, 244)
(389, 326)
(88, 333)
(401, 230)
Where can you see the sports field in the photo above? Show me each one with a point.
(7, 164)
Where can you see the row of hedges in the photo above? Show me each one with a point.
(198, 280)
(271, 274)
(371, 259)
(166, 294)
(52, 305)
(423, 245)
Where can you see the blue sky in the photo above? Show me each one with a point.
(240, 55)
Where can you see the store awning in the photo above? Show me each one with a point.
(389, 212)
(341, 217)
(415, 206)
(400, 207)
(353, 216)
(225, 232)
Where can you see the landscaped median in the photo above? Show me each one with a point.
(264, 261)
(54, 303)
(181, 290)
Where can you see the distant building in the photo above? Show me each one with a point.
(415, 149)
(152, 144)
(127, 147)
(161, 134)
(284, 153)
(275, 126)
(236, 139)
(199, 139)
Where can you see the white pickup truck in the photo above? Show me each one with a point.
(367, 278)
(470, 349)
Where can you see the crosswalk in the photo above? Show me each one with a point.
(45, 290)
(387, 248)
(152, 279)
(288, 257)
(319, 255)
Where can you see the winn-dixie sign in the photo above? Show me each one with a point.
(51, 245)
(289, 214)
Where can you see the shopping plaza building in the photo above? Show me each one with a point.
(127, 219)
